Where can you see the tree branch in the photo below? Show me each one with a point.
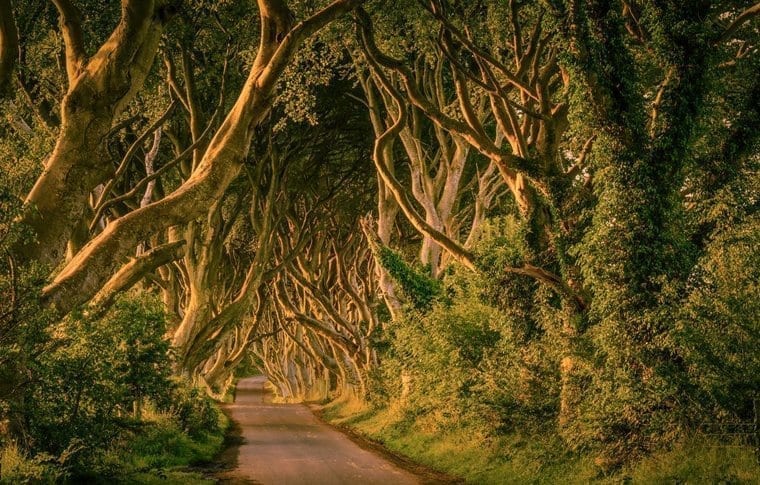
(134, 271)
(739, 21)
(8, 47)
(220, 165)
(73, 37)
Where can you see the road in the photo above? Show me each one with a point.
(286, 444)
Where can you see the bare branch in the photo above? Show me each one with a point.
(132, 151)
(73, 37)
(134, 271)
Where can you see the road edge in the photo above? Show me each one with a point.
(428, 475)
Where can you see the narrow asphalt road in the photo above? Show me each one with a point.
(286, 444)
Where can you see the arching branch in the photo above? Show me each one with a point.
(134, 271)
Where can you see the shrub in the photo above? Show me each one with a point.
(480, 347)
(92, 381)
(195, 412)
(17, 467)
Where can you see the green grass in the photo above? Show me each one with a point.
(168, 478)
(159, 452)
(699, 461)
(156, 451)
(538, 459)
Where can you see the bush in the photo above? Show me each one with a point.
(154, 452)
(16, 467)
(480, 347)
(195, 412)
(93, 380)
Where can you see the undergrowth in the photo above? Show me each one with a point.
(159, 449)
(516, 458)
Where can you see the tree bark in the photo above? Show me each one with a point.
(221, 163)
(99, 90)
(134, 271)
(8, 47)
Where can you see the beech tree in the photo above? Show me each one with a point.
(72, 204)
(500, 212)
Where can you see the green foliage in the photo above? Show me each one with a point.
(719, 326)
(537, 458)
(485, 354)
(658, 231)
(157, 447)
(635, 255)
(24, 322)
(95, 402)
(194, 411)
(698, 460)
(313, 67)
(17, 467)
(502, 244)
(144, 368)
(421, 290)
(488, 359)
(97, 373)
(442, 352)
(154, 452)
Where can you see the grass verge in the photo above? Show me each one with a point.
(157, 450)
(526, 459)
(161, 451)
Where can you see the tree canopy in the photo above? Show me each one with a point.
(525, 215)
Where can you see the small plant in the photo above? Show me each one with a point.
(17, 467)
